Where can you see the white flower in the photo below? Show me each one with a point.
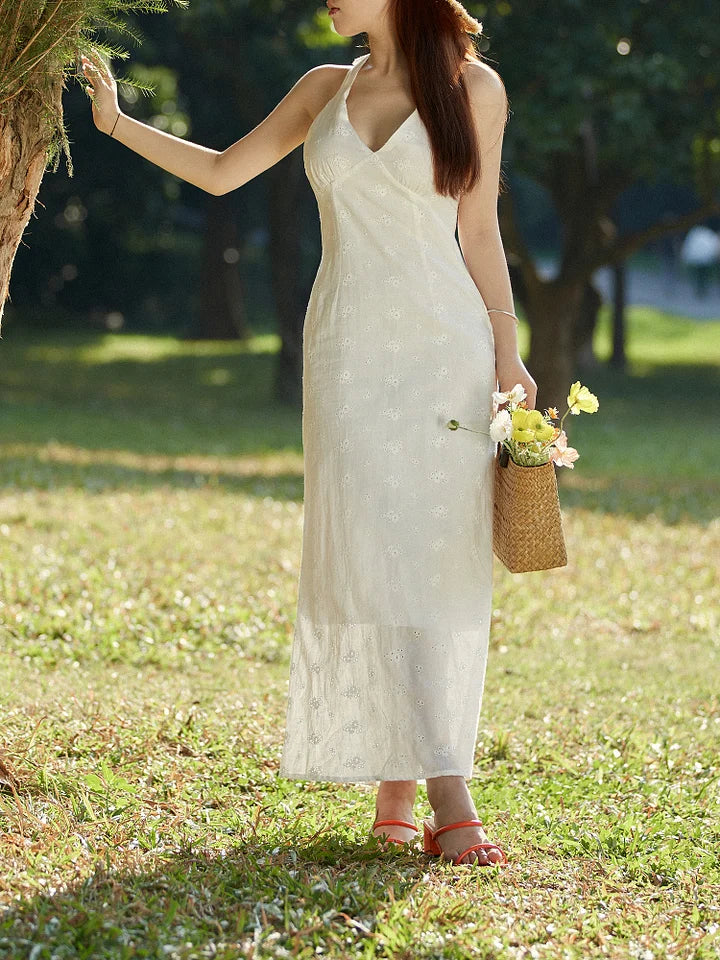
(501, 426)
(512, 396)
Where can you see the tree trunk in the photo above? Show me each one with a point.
(552, 309)
(24, 140)
(285, 265)
(221, 315)
(617, 358)
(585, 328)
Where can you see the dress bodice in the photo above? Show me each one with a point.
(340, 165)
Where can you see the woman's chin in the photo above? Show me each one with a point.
(342, 29)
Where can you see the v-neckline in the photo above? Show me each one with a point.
(349, 121)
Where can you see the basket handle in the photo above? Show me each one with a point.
(503, 456)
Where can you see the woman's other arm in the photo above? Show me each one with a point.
(479, 229)
(216, 172)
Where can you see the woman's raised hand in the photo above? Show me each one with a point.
(102, 92)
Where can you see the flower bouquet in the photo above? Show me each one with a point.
(527, 526)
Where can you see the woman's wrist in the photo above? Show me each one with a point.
(507, 349)
(507, 313)
(507, 353)
(508, 364)
(111, 131)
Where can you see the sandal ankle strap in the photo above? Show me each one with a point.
(455, 826)
(396, 823)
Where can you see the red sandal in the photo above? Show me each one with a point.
(433, 848)
(397, 823)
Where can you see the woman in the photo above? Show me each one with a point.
(395, 590)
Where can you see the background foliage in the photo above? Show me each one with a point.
(123, 238)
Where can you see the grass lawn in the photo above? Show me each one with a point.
(150, 531)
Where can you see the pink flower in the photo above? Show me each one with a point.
(561, 454)
(565, 458)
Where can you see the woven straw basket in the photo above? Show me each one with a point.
(527, 525)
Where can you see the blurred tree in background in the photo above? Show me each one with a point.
(236, 60)
(602, 98)
(603, 95)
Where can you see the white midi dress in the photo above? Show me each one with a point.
(390, 641)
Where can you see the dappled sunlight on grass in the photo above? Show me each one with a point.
(655, 338)
(80, 349)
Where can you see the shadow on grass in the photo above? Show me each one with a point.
(39, 473)
(671, 502)
(250, 892)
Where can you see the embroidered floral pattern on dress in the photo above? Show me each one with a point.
(392, 413)
(393, 446)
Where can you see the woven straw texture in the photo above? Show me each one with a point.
(527, 524)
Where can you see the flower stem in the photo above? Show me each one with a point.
(483, 432)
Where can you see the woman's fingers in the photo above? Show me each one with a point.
(90, 90)
(96, 58)
(98, 65)
(91, 66)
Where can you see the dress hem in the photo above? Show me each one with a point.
(355, 779)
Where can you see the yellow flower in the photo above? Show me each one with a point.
(581, 400)
(529, 425)
(534, 420)
(545, 432)
(539, 425)
(520, 418)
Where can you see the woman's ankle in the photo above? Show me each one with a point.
(396, 795)
(449, 792)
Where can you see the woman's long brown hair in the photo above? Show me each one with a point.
(433, 35)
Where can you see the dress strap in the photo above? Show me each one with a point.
(351, 74)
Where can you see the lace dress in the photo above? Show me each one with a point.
(394, 597)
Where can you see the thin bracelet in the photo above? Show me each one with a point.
(115, 124)
(497, 310)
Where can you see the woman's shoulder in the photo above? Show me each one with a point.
(325, 72)
(320, 84)
(484, 85)
(323, 81)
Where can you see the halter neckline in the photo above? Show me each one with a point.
(350, 80)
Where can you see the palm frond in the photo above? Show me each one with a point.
(41, 42)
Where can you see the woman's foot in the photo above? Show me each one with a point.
(395, 800)
(451, 802)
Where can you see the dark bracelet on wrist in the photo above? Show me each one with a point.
(115, 124)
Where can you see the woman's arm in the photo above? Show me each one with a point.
(214, 171)
(479, 229)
